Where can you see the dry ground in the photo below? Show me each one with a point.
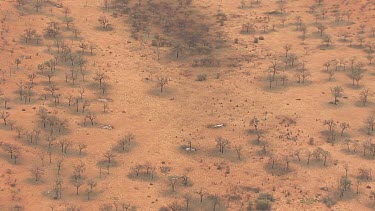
(162, 121)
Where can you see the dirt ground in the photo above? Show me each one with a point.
(289, 115)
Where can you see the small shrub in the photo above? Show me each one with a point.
(261, 38)
(328, 201)
(263, 205)
(163, 209)
(266, 196)
(201, 77)
(256, 40)
(250, 206)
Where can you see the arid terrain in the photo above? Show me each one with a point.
(187, 105)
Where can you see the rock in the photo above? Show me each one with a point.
(217, 126)
(107, 127)
(324, 188)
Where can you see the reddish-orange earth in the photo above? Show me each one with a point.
(233, 94)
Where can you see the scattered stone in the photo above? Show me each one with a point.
(324, 188)
(107, 127)
(216, 126)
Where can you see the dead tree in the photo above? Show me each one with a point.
(222, 144)
(81, 147)
(364, 95)
(126, 140)
(59, 164)
(104, 22)
(162, 81)
(238, 149)
(201, 192)
(37, 172)
(337, 93)
(100, 77)
(109, 155)
(4, 115)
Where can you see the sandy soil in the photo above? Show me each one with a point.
(162, 121)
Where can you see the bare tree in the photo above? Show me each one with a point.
(59, 164)
(201, 192)
(215, 201)
(287, 48)
(238, 149)
(77, 184)
(37, 172)
(81, 147)
(364, 95)
(100, 77)
(370, 123)
(79, 169)
(126, 140)
(337, 93)
(57, 188)
(344, 126)
(91, 116)
(104, 22)
(91, 184)
(222, 144)
(109, 155)
(4, 115)
(92, 48)
(173, 183)
(137, 169)
(162, 81)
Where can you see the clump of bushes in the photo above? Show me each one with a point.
(263, 202)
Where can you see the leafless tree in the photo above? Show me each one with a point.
(173, 182)
(4, 115)
(57, 188)
(92, 48)
(370, 124)
(344, 126)
(91, 116)
(81, 147)
(238, 149)
(37, 172)
(287, 48)
(137, 169)
(162, 81)
(91, 184)
(104, 22)
(215, 201)
(222, 144)
(85, 104)
(59, 164)
(79, 169)
(100, 77)
(109, 155)
(126, 140)
(201, 192)
(77, 184)
(364, 95)
(337, 93)
(321, 28)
